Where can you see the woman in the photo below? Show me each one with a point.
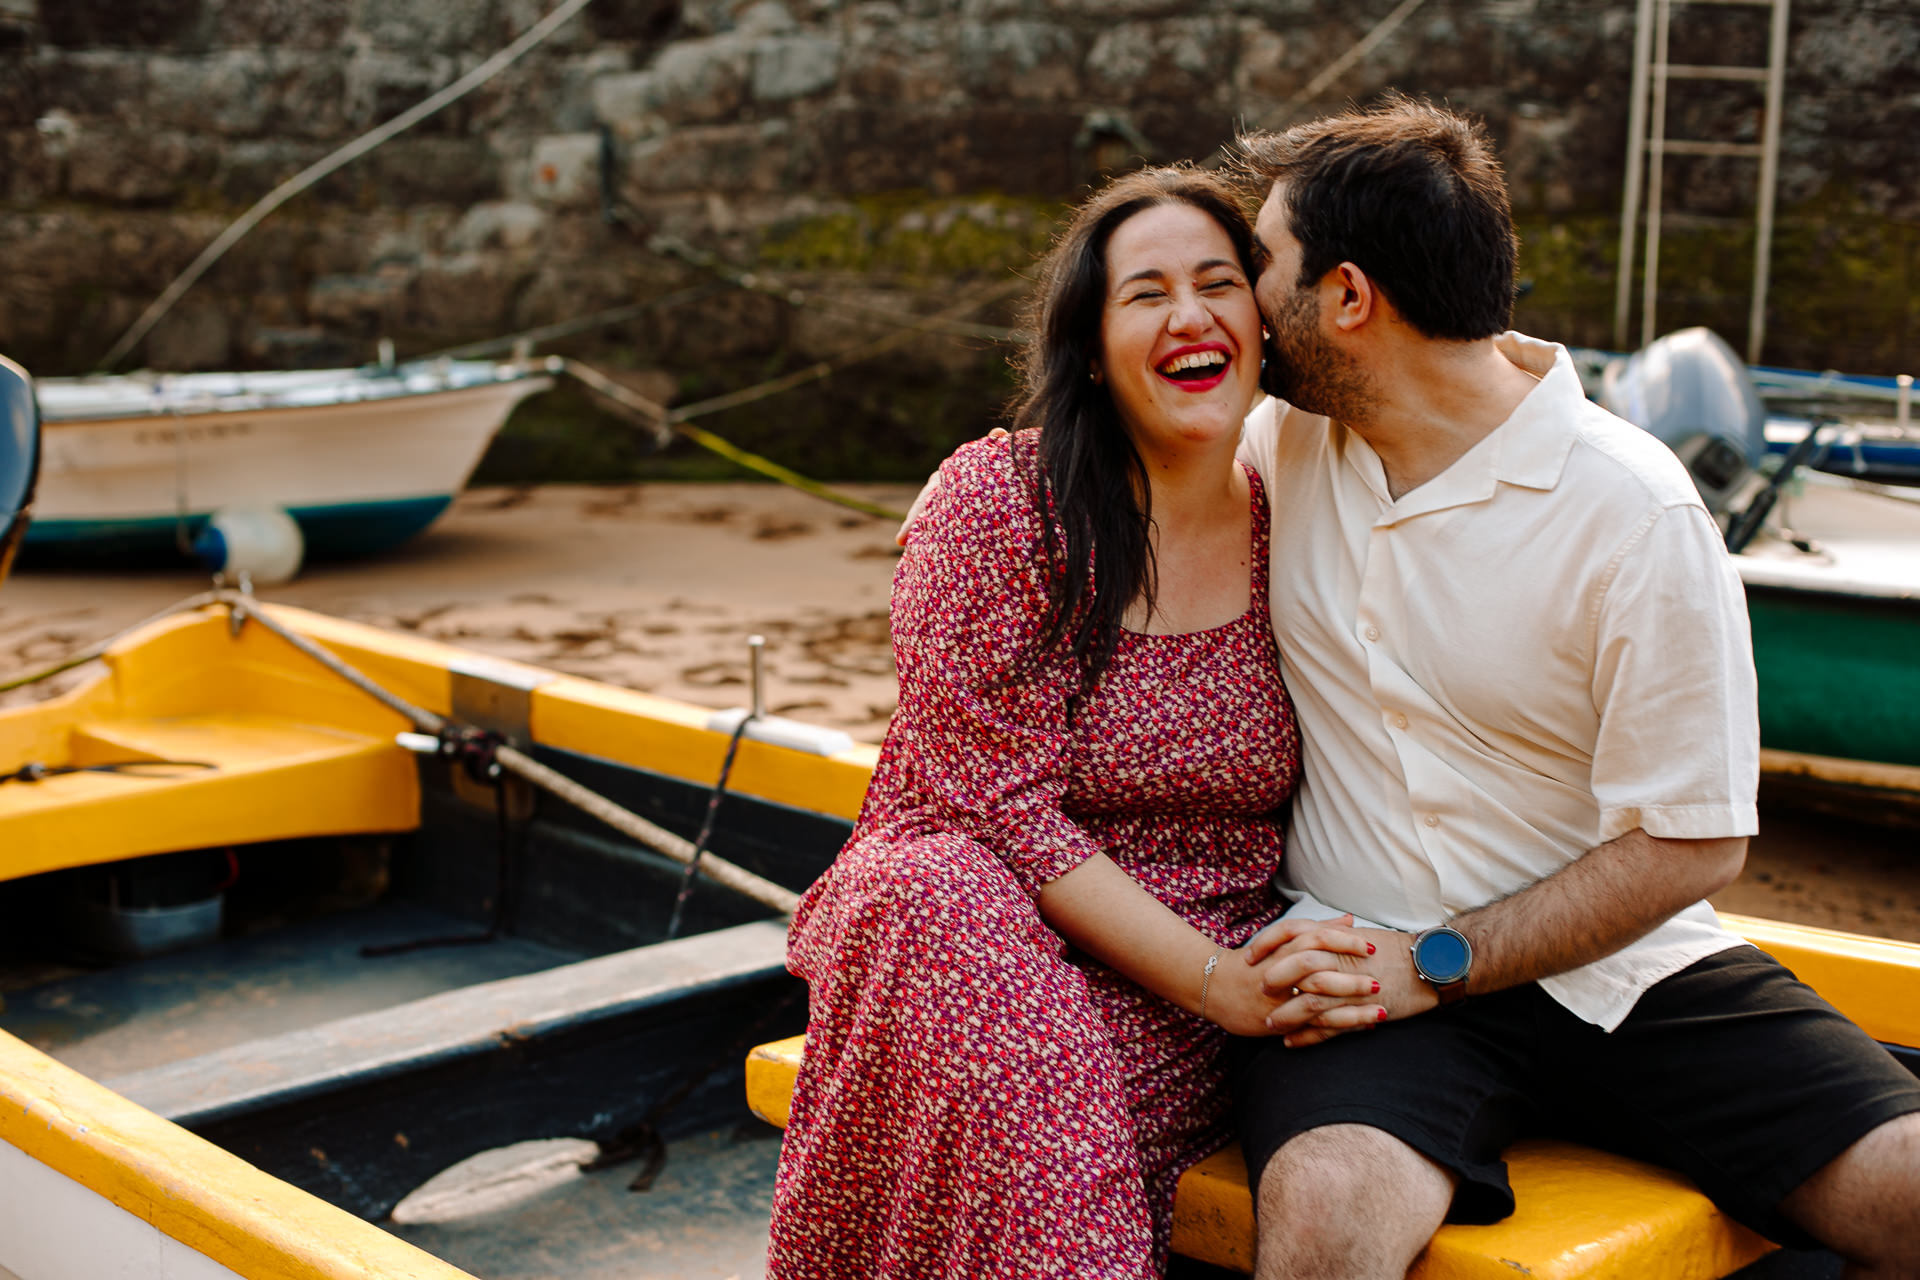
(1021, 966)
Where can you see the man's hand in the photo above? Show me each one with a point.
(1300, 963)
(1323, 982)
(927, 490)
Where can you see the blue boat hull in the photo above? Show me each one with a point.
(342, 531)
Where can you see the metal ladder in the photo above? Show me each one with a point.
(1647, 149)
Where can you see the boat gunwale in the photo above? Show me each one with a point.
(238, 403)
(192, 1191)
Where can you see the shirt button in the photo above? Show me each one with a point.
(1433, 819)
(1399, 722)
(1373, 633)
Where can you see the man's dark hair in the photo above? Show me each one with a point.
(1412, 195)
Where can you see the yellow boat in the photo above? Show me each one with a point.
(265, 1097)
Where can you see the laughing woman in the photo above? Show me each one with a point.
(1022, 966)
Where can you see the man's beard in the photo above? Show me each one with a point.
(1306, 370)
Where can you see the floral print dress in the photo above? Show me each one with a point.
(977, 1099)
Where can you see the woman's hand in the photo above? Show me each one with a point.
(1326, 998)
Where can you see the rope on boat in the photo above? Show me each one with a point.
(366, 142)
(741, 278)
(93, 651)
(243, 607)
(626, 822)
(678, 420)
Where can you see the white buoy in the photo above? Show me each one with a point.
(261, 542)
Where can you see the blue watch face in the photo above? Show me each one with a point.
(1443, 957)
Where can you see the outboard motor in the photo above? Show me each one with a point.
(1692, 391)
(19, 458)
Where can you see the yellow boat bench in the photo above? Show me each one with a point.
(295, 752)
(1582, 1213)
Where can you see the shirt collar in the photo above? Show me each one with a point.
(1529, 449)
(1532, 445)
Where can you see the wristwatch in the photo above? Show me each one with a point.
(1443, 957)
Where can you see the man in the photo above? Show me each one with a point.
(1521, 664)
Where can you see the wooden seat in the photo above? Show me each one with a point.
(1582, 1213)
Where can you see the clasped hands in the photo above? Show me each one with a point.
(1311, 980)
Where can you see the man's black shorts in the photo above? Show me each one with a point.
(1731, 1072)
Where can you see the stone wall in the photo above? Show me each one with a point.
(885, 151)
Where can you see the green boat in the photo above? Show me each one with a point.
(1831, 564)
(1834, 593)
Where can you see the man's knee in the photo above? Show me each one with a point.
(1865, 1203)
(1349, 1200)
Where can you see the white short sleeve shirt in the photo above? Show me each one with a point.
(1538, 650)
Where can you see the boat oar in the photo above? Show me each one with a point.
(626, 822)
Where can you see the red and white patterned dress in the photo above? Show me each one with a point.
(976, 1099)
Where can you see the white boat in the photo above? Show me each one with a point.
(362, 459)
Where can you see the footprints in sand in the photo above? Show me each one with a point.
(829, 668)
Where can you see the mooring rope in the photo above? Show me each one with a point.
(516, 762)
(679, 420)
(299, 182)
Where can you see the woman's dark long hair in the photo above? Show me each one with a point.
(1090, 489)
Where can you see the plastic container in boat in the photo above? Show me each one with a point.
(132, 933)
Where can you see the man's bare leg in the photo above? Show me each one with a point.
(1347, 1202)
(1865, 1204)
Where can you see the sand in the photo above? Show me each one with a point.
(656, 587)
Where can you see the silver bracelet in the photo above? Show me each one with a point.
(1206, 980)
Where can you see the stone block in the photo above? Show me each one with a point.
(1262, 78)
(764, 18)
(195, 336)
(701, 81)
(30, 171)
(310, 25)
(381, 83)
(133, 168)
(498, 225)
(888, 59)
(1018, 58)
(786, 67)
(430, 26)
(377, 298)
(413, 169)
(249, 168)
(566, 103)
(766, 158)
(150, 24)
(91, 84)
(566, 169)
(564, 291)
(1188, 59)
(624, 101)
(468, 293)
(231, 92)
(623, 20)
(1027, 150)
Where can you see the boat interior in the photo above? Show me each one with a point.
(230, 897)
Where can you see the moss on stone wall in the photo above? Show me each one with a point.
(913, 234)
(1842, 293)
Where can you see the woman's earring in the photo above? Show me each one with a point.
(1266, 334)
